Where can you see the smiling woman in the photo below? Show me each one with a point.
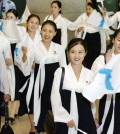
(20, 5)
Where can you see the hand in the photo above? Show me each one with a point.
(6, 97)
(108, 42)
(24, 49)
(108, 55)
(33, 66)
(80, 29)
(104, 10)
(8, 62)
(71, 124)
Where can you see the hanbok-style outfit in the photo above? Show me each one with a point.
(69, 104)
(4, 84)
(26, 91)
(93, 33)
(106, 85)
(49, 61)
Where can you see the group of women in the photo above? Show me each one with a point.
(52, 93)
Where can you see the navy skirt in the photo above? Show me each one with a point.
(46, 93)
(85, 120)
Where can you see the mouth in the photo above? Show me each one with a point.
(46, 37)
(76, 59)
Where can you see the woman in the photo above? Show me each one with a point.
(49, 56)
(31, 38)
(61, 36)
(69, 107)
(107, 82)
(89, 32)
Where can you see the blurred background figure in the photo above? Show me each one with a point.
(5, 5)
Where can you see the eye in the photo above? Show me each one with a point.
(72, 51)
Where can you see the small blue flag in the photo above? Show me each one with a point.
(101, 23)
(107, 72)
(16, 51)
(1, 25)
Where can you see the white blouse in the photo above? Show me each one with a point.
(112, 20)
(72, 84)
(98, 87)
(4, 85)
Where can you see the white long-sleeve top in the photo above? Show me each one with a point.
(4, 84)
(98, 87)
(82, 21)
(72, 84)
(112, 20)
(40, 55)
(61, 24)
(5, 46)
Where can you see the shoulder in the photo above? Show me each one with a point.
(58, 72)
(47, 17)
(100, 59)
(21, 28)
(58, 47)
(118, 13)
(88, 72)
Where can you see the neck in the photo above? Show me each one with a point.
(55, 16)
(46, 44)
(77, 70)
(31, 34)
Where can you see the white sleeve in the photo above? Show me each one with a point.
(78, 35)
(3, 76)
(6, 48)
(103, 41)
(62, 57)
(60, 113)
(98, 64)
(25, 67)
(74, 25)
(110, 21)
(46, 18)
(64, 36)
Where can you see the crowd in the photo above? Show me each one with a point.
(55, 82)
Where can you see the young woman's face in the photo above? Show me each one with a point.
(33, 24)
(116, 43)
(47, 33)
(11, 16)
(55, 9)
(77, 54)
(89, 10)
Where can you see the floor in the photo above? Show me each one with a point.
(21, 125)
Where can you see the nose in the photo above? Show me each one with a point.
(76, 55)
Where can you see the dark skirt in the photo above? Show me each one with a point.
(85, 121)
(116, 115)
(23, 109)
(94, 47)
(20, 79)
(46, 93)
(1, 101)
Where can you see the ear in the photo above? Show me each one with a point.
(113, 40)
(55, 33)
(17, 19)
